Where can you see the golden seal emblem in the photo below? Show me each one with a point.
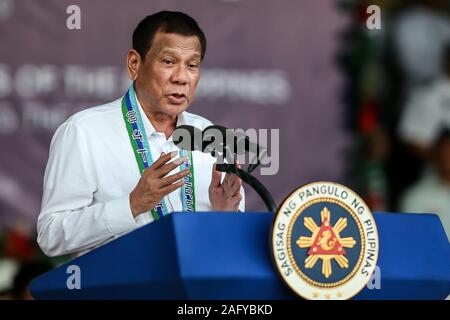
(324, 242)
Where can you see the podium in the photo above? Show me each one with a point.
(228, 256)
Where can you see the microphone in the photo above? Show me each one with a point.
(193, 139)
(188, 137)
(215, 139)
(237, 142)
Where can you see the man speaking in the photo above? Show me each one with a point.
(114, 167)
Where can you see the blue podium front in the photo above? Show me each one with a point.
(228, 256)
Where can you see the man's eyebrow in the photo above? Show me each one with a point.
(171, 51)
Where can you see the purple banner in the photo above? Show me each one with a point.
(269, 64)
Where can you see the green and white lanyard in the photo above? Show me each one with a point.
(141, 150)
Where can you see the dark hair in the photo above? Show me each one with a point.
(168, 22)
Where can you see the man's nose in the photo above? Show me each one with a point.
(180, 75)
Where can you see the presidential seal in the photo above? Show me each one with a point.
(324, 242)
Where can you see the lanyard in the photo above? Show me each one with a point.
(141, 150)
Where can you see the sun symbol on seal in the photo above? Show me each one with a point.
(325, 243)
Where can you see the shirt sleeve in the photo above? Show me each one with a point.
(70, 219)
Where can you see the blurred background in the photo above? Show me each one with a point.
(366, 108)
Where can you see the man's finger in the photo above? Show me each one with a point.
(171, 187)
(233, 188)
(168, 167)
(232, 179)
(228, 180)
(174, 177)
(228, 176)
(236, 200)
(215, 178)
(232, 184)
(164, 158)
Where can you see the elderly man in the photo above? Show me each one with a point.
(114, 167)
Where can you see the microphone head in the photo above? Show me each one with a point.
(213, 138)
(187, 137)
(234, 140)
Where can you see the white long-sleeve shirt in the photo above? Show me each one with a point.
(90, 173)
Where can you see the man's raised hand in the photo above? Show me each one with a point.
(155, 183)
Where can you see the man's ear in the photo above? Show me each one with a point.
(134, 62)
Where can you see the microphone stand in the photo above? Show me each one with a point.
(252, 181)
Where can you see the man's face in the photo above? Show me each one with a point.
(168, 78)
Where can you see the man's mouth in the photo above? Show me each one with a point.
(176, 98)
